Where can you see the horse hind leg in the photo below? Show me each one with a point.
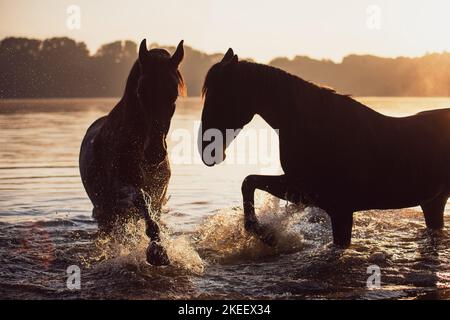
(342, 223)
(434, 212)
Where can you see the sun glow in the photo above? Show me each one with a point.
(260, 29)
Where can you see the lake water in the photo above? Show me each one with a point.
(46, 224)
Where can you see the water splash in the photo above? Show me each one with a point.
(179, 250)
(129, 243)
(223, 239)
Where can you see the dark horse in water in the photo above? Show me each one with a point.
(123, 156)
(336, 153)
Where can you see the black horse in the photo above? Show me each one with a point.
(124, 154)
(335, 152)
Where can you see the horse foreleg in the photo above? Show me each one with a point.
(156, 254)
(276, 186)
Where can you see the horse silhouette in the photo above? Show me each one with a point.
(124, 154)
(336, 153)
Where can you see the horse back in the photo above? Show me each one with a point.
(438, 123)
(415, 154)
(89, 139)
(365, 156)
(439, 120)
(87, 156)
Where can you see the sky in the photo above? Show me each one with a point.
(260, 29)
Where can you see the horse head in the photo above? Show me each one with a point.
(159, 81)
(225, 109)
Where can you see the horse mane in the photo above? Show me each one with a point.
(132, 80)
(264, 75)
(259, 82)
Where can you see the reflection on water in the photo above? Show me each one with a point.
(45, 225)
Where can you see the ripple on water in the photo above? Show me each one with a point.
(220, 260)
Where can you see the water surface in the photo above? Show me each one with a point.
(46, 224)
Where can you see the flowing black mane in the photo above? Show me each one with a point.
(260, 84)
(264, 76)
(132, 80)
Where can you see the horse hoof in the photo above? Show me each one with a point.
(268, 237)
(251, 226)
(264, 234)
(156, 255)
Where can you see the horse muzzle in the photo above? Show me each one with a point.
(211, 146)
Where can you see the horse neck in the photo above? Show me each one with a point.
(291, 98)
(128, 128)
(273, 103)
(273, 114)
(128, 131)
(267, 91)
(139, 126)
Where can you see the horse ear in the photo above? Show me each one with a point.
(228, 56)
(178, 55)
(142, 50)
(235, 59)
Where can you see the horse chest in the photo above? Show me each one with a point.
(308, 165)
(154, 181)
(298, 157)
(155, 173)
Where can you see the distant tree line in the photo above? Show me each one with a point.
(62, 67)
(366, 75)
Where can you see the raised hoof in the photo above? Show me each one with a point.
(265, 234)
(156, 255)
(268, 237)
